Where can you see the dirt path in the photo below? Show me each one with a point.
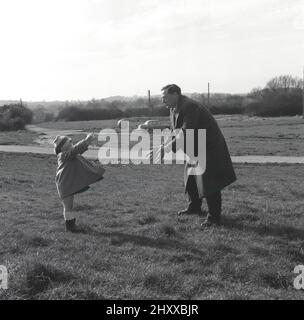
(92, 153)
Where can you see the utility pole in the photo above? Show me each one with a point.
(208, 95)
(303, 95)
(149, 102)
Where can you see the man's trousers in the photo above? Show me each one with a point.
(214, 201)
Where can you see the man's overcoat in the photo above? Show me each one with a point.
(219, 171)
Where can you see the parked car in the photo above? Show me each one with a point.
(153, 124)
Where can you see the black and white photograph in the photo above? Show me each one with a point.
(152, 151)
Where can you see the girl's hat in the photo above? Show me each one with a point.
(59, 141)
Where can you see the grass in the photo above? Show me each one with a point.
(20, 137)
(281, 136)
(135, 246)
(98, 124)
(245, 136)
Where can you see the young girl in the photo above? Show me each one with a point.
(74, 174)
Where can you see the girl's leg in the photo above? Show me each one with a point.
(68, 212)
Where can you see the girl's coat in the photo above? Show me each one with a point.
(75, 173)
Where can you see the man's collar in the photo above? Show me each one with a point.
(179, 103)
(177, 107)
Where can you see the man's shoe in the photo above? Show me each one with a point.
(189, 212)
(184, 212)
(70, 226)
(210, 223)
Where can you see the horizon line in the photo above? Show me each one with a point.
(114, 96)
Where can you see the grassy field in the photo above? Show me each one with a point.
(134, 246)
(97, 125)
(264, 136)
(21, 137)
(244, 135)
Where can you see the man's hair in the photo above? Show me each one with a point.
(172, 88)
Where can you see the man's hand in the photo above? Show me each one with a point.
(89, 138)
(156, 154)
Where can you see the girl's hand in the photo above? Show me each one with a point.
(89, 138)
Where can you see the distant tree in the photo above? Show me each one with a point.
(284, 82)
(255, 92)
(41, 114)
(14, 116)
(282, 96)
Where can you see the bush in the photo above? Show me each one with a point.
(16, 124)
(81, 113)
(41, 114)
(75, 113)
(282, 96)
(161, 111)
(231, 104)
(3, 126)
(276, 104)
(222, 103)
(19, 111)
(137, 112)
(14, 117)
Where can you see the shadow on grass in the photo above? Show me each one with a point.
(274, 280)
(35, 241)
(276, 230)
(118, 238)
(40, 277)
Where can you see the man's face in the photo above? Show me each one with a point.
(170, 99)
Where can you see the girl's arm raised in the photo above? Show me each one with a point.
(79, 148)
(82, 146)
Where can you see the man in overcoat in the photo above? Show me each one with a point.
(186, 113)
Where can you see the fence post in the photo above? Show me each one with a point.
(149, 102)
(208, 95)
(303, 95)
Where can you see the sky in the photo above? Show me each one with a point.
(84, 49)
